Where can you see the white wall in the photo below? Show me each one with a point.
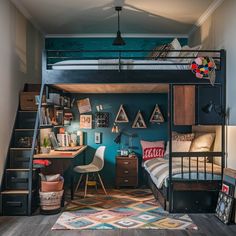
(20, 63)
(219, 31)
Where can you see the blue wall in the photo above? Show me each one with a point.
(106, 44)
(111, 104)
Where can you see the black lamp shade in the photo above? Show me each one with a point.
(118, 41)
(208, 107)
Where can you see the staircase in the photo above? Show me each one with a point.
(19, 189)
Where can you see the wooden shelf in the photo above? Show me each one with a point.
(27, 111)
(15, 192)
(19, 130)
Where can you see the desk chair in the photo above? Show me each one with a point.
(94, 167)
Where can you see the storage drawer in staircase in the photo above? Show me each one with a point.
(14, 204)
(26, 120)
(20, 158)
(19, 179)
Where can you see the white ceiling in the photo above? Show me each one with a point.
(99, 17)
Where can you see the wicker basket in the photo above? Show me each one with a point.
(50, 200)
(54, 186)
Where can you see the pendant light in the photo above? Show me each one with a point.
(118, 41)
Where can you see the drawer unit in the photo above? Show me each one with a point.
(14, 204)
(20, 158)
(126, 171)
(18, 179)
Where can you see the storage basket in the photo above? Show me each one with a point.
(27, 101)
(53, 186)
(50, 200)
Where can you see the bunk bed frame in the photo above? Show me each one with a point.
(177, 187)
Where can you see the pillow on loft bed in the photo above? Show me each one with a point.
(189, 54)
(152, 150)
(178, 146)
(202, 143)
(165, 50)
(182, 136)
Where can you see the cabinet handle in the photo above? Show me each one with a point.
(126, 162)
(126, 180)
(126, 171)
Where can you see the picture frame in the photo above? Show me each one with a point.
(224, 207)
(86, 121)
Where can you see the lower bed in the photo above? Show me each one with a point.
(192, 191)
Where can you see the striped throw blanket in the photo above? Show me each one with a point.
(158, 169)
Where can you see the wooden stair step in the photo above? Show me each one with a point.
(8, 192)
(14, 169)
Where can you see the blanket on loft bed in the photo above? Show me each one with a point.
(126, 64)
(158, 169)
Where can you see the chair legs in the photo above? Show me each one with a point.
(100, 179)
(86, 183)
(79, 182)
(85, 188)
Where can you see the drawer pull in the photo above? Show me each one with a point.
(126, 171)
(126, 162)
(126, 180)
(14, 204)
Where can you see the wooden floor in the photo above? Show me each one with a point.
(40, 225)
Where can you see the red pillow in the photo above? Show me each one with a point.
(153, 152)
(152, 149)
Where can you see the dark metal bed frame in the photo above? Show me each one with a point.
(178, 188)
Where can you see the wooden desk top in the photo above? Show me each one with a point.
(60, 154)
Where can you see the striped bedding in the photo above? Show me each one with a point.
(158, 169)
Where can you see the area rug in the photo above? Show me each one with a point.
(122, 209)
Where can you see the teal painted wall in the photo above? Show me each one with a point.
(106, 44)
(111, 104)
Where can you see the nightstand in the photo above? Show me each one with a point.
(126, 171)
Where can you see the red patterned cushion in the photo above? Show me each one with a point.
(153, 152)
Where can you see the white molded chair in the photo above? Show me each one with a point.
(94, 167)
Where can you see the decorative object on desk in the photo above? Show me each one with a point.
(224, 207)
(157, 116)
(139, 121)
(73, 140)
(98, 137)
(225, 188)
(115, 128)
(63, 139)
(204, 68)
(121, 116)
(86, 121)
(84, 105)
(46, 148)
(102, 119)
(68, 117)
(80, 137)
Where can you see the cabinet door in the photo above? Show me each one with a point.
(184, 105)
(207, 94)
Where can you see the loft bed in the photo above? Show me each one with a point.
(67, 69)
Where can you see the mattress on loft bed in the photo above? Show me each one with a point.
(158, 170)
(101, 64)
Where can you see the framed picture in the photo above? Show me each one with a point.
(224, 207)
(86, 121)
(84, 105)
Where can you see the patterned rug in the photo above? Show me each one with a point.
(122, 209)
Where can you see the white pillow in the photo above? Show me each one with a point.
(176, 46)
(178, 146)
(189, 54)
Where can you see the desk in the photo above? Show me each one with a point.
(66, 155)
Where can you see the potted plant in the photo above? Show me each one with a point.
(46, 148)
